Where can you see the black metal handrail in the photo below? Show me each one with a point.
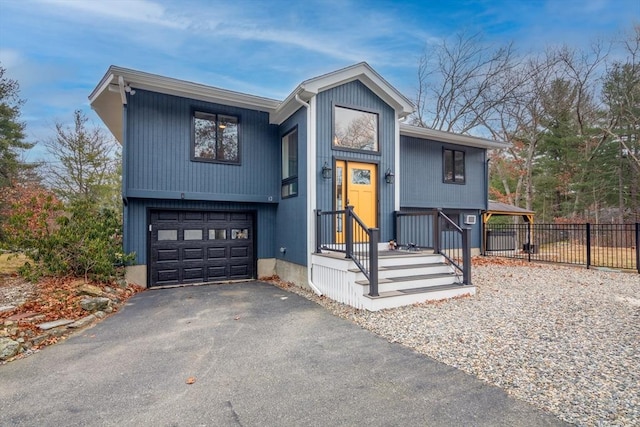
(433, 229)
(343, 231)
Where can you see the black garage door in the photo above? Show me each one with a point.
(197, 247)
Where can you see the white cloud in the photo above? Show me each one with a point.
(10, 58)
(144, 11)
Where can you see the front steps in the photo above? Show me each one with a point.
(404, 278)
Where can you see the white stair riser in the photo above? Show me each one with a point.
(412, 284)
(405, 272)
(394, 261)
(402, 300)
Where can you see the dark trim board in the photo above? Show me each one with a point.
(201, 260)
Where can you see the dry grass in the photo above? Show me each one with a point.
(577, 254)
(9, 263)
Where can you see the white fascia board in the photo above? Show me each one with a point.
(290, 105)
(362, 72)
(101, 99)
(170, 86)
(449, 137)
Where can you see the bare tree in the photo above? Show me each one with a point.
(521, 123)
(462, 84)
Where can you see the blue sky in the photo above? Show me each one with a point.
(59, 49)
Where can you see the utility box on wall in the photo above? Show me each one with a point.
(501, 240)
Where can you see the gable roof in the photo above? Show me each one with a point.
(362, 72)
(109, 95)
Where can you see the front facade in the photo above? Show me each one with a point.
(219, 185)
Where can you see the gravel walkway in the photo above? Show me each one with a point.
(565, 339)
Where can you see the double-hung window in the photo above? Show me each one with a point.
(453, 166)
(215, 138)
(290, 164)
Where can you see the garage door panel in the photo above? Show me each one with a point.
(213, 216)
(193, 216)
(167, 215)
(193, 274)
(193, 254)
(201, 246)
(238, 270)
(217, 272)
(239, 252)
(166, 255)
(216, 253)
(167, 277)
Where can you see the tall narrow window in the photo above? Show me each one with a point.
(453, 166)
(215, 138)
(290, 164)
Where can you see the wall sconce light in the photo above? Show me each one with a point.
(389, 177)
(326, 171)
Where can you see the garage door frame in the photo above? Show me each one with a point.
(253, 214)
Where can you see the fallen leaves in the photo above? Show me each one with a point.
(477, 261)
(58, 298)
(191, 380)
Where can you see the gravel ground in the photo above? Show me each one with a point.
(564, 339)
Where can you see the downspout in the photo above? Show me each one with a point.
(311, 186)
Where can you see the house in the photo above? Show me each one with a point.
(219, 185)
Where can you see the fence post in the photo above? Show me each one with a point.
(466, 255)
(374, 236)
(348, 231)
(436, 231)
(588, 244)
(318, 231)
(396, 226)
(529, 243)
(638, 247)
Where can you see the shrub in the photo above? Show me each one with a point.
(85, 242)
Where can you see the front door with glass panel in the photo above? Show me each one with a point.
(356, 185)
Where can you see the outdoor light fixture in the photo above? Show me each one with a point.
(326, 171)
(389, 177)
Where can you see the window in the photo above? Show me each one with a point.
(217, 234)
(453, 166)
(239, 233)
(167, 235)
(354, 129)
(215, 138)
(290, 164)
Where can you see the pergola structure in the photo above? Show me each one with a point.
(503, 209)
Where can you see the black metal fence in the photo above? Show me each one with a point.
(598, 245)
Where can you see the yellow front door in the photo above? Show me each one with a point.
(357, 185)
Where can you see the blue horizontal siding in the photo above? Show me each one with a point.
(158, 151)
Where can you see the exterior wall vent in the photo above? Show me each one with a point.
(470, 219)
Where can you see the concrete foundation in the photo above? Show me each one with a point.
(266, 267)
(137, 274)
(294, 273)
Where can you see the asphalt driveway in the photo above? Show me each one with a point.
(260, 357)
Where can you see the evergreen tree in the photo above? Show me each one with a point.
(11, 130)
(86, 165)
